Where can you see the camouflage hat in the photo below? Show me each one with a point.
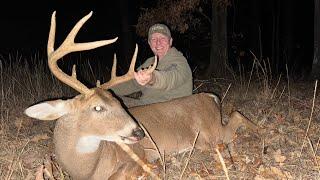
(159, 28)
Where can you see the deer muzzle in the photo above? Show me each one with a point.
(138, 133)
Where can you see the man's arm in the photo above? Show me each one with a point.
(172, 77)
(127, 88)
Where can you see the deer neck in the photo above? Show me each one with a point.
(87, 145)
(80, 156)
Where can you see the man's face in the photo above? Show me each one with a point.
(160, 44)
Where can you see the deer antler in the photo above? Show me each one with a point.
(115, 80)
(69, 46)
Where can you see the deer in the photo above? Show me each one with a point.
(91, 126)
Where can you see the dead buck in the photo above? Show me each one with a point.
(90, 125)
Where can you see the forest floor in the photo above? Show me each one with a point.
(286, 145)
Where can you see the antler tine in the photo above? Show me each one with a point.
(120, 79)
(115, 80)
(153, 66)
(67, 47)
(133, 60)
(114, 67)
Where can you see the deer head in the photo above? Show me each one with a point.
(94, 107)
(92, 116)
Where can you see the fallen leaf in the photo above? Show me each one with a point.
(259, 177)
(278, 172)
(39, 173)
(278, 157)
(40, 137)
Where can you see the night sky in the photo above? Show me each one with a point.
(25, 25)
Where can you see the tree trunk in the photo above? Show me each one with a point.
(298, 37)
(275, 58)
(126, 36)
(254, 33)
(218, 66)
(315, 73)
(287, 34)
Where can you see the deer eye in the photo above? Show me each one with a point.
(98, 108)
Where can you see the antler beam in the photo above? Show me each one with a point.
(69, 46)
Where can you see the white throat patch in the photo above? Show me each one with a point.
(88, 144)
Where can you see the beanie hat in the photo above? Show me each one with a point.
(159, 28)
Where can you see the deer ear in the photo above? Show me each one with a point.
(48, 110)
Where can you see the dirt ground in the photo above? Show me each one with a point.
(285, 146)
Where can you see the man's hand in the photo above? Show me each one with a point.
(143, 78)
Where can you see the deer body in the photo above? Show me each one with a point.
(93, 127)
(173, 125)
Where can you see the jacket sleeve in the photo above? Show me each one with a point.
(126, 88)
(172, 76)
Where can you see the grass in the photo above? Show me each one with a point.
(22, 85)
(286, 146)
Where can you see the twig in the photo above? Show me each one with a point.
(289, 95)
(263, 146)
(205, 168)
(224, 95)
(316, 149)
(10, 172)
(59, 169)
(314, 155)
(155, 145)
(222, 163)
(270, 71)
(48, 169)
(275, 88)
(189, 157)
(164, 165)
(39, 173)
(277, 101)
(136, 158)
(271, 110)
(251, 72)
(310, 118)
(48, 173)
(197, 87)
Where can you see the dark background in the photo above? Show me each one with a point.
(25, 26)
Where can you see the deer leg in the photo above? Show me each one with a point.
(236, 121)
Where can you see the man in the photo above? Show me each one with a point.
(171, 79)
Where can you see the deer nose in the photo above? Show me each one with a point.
(139, 133)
